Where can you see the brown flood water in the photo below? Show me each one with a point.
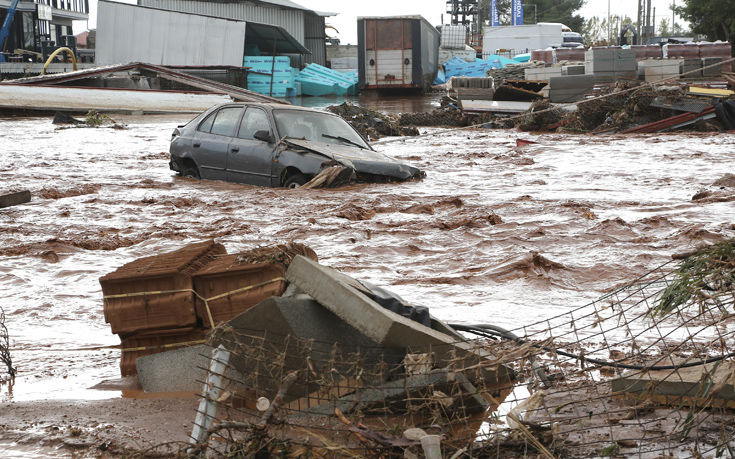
(579, 215)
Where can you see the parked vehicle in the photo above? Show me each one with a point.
(276, 145)
(521, 39)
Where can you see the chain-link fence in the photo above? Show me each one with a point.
(646, 371)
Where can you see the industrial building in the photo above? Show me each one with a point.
(36, 24)
(304, 25)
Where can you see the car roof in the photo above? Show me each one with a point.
(273, 106)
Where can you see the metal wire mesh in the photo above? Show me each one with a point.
(616, 376)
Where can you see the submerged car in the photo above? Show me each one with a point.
(276, 145)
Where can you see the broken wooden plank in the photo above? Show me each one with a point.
(13, 199)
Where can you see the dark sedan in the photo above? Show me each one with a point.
(276, 145)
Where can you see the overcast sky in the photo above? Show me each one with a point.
(348, 11)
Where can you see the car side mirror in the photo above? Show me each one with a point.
(263, 135)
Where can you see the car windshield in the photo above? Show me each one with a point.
(317, 127)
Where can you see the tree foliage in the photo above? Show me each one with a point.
(714, 19)
(545, 11)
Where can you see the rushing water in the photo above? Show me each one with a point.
(580, 215)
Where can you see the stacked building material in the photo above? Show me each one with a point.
(172, 300)
(568, 55)
(543, 55)
(317, 80)
(643, 52)
(150, 302)
(453, 37)
(610, 63)
(542, 73)
(691, 68)
(570, 88)
(681, 51)
(709, 67)
(569, 70)
(267, 77)
(467, 54)
(718, 49)
(659, 69)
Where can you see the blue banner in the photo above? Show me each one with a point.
(517, 12)
(494, 19)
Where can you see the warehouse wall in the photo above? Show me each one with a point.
(291, 20)
(315, 39)
(128, 33)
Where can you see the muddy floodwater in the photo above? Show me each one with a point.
(495, 233)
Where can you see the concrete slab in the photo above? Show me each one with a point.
(174, 371)
(271, 326)
(701, 385)
(385, 327)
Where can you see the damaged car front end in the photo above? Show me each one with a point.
(278, 145)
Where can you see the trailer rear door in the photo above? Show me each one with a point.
(388, 52)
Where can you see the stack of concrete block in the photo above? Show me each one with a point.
(569, 70)
(691, 68)
(543, 55)
(542, 73)
(709, 67)
(659, 69)
(610, 63)
(570, 88)
(718, 49)
(568, 55)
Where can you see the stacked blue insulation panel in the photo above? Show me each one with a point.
(262, 69)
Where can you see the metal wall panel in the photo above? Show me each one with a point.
(291, 20)
(315, 39)
(166, 37)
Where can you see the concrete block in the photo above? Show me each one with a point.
(385, 327)
(13, 199)
(270, 328)
(174, 371)
(569, 70)
(692, 386)
(578, 82)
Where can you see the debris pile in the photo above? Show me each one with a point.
(542, 116)
(446, 116)
(370, 123)
(329, 368)
(512, 72)
(172, 300)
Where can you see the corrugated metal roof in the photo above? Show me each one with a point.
(282, 3)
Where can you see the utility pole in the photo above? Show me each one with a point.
(609, 38)
(648, 21)
(638, 23)
(673, 16)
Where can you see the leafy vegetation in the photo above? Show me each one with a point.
(700, 278)
(714, 19)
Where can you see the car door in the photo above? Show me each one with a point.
(212, 141)
(251, 160)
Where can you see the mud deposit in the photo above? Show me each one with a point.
(494, 234)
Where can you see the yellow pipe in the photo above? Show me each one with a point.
(54, 54)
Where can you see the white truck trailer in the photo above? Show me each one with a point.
(512, 40)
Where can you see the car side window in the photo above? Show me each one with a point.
(206, 125)
(254, 120)
(226, 120)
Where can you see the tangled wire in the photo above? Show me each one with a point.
(5, 346)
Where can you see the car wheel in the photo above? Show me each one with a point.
(190, 171)
(295, 181)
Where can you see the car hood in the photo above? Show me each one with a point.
(364, 162)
